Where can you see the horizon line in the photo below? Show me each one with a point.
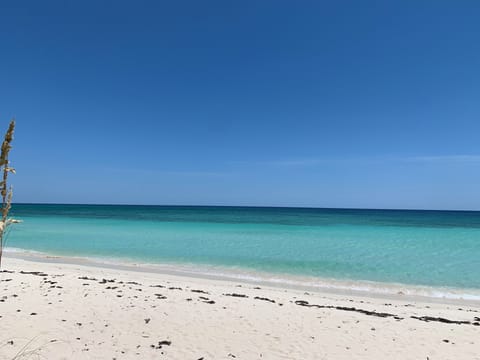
(250, 206)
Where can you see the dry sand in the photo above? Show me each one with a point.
(69, 311)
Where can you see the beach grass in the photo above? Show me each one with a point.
(5, 190)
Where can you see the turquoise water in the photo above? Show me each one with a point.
(432, 248)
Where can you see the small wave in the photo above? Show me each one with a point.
(14, 250)
(335, 285)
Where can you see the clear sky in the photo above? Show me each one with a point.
(281, 103)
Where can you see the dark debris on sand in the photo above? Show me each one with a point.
(476, 321)
(236, 295)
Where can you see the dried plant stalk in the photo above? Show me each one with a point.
(5, 191)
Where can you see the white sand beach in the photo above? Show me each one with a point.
(69, 311)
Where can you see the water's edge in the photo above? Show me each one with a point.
(371, 289)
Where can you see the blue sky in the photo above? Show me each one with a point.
(282, 103)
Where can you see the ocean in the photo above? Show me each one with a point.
(438, 249)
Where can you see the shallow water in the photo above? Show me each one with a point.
(429, 248)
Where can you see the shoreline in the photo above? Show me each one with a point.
(59, 311)
(361, 288)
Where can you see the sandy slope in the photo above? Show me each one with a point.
(79, 312)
